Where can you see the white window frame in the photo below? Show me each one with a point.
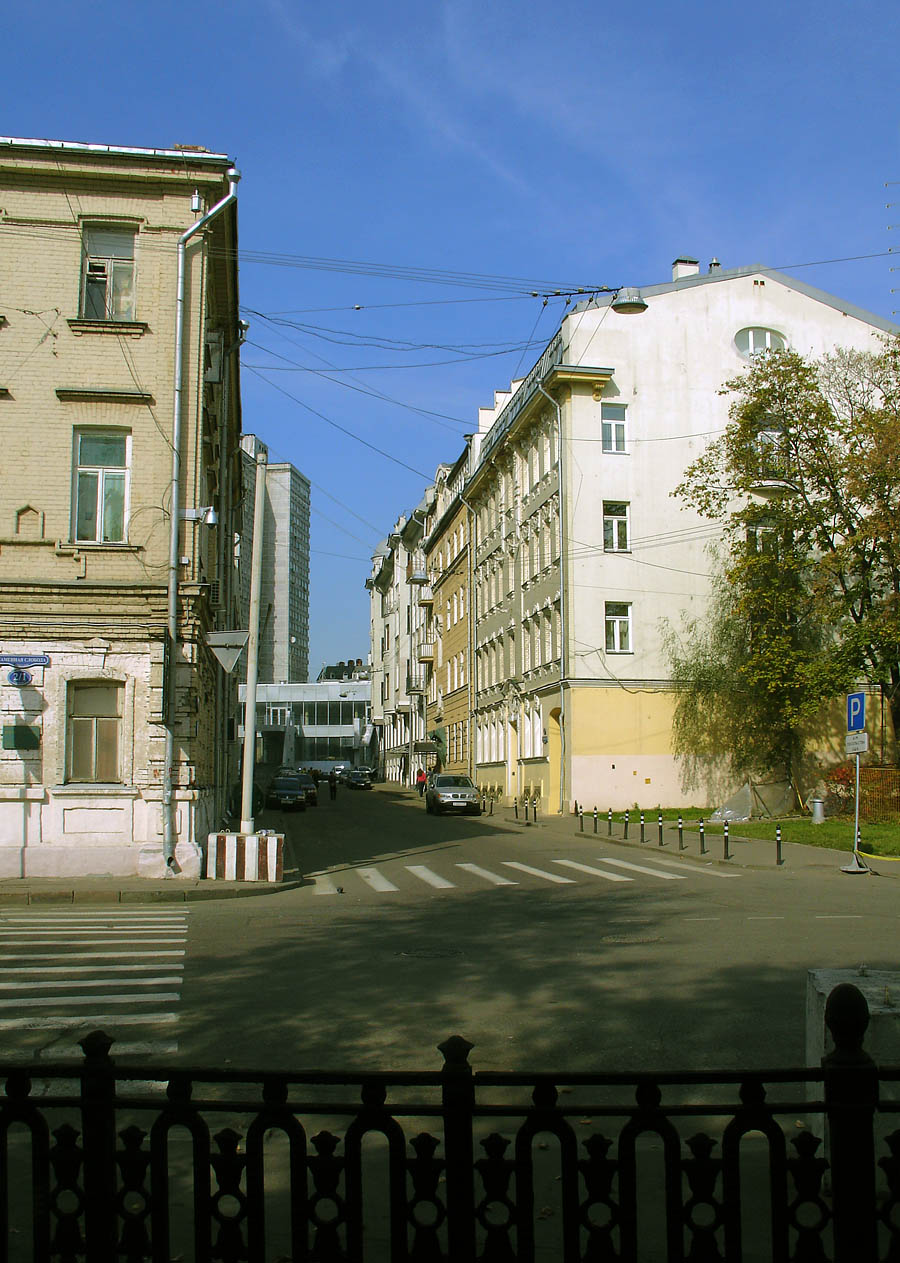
(104, 474)
(614, 540)
(759, 341)
(618, 624)
(117, 272)
(614, 429)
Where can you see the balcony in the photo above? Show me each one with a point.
(415, 569)
(415, 683)
(426, 594)
(425, 650)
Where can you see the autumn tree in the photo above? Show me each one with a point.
(806, 483)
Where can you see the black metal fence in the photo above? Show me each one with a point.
(100, 1162)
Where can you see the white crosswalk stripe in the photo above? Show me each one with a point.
(538, 872)
(494, 878)
(430, 878)
(376, 880)
(72, 971)
(595, 872)
(641, 868)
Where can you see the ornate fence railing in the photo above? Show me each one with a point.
(100, 1162)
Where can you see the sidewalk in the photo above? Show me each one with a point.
(745, 851)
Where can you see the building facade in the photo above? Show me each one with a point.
(580, 555)
(314, 725)
(284, 595)
(120, 408)
(444, 646)
(399, 615)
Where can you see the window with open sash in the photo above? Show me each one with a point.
(107, 288)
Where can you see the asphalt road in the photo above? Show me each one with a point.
(545, 948)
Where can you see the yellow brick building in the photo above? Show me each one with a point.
(119, 489)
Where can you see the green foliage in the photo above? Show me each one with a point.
(806, 483)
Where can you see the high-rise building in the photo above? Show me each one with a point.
(284, 595)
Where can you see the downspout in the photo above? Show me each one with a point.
(169, 830)
(563, 619)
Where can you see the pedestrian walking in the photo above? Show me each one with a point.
(332, 784)
(421, 778)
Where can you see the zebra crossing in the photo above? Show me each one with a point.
(65, 972)
(604, 868)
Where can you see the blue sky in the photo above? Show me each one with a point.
(566, 144)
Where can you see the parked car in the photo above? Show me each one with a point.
(447, 791)
(285, 792)
(356, 778)
(310, 789)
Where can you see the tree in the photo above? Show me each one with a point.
(806, 482)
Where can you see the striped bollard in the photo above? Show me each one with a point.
(595, 819)
(702, 838)
(625, 834)
(725, 833)
(581, 819)
(609, 825)
(680, 834)
(659, 822)
(534, 810)
(779, 859)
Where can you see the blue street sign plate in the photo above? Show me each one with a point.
(856, 712)
(24, 660)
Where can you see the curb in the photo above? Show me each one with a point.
(202, 893)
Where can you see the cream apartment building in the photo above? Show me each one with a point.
(581, 555)
(120, 416)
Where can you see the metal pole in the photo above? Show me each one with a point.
(778, 857)
(259, 505)
(642, 826)
(595, 819)
(680, 833)
(659, 822)
(725, 834)
(609, 823)
(581, 819)
(702, 839)
(625, 834)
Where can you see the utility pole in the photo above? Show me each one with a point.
(259, 506)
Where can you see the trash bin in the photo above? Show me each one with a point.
(818, 810)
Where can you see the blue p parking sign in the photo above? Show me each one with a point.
(856, 712)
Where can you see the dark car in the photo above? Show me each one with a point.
(357, 779)
(447, 791)
(285, 792)
(309, 788)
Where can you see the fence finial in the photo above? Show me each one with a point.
(846, 1016)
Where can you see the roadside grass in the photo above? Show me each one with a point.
(835, 833)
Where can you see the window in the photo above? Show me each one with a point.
(107, 291)
(615, 526)
(772, 453)
(750, 342)
(612, 427)
(95, 728)
(101, 485)
(618, 627)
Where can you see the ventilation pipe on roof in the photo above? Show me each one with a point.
(685, 266)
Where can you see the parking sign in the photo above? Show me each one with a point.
(856, 712)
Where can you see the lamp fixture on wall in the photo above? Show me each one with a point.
(207, 515)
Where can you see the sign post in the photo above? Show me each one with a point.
(857, 742)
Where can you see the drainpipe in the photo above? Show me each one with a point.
(169, 830)
(223, 538)
(563, 619)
